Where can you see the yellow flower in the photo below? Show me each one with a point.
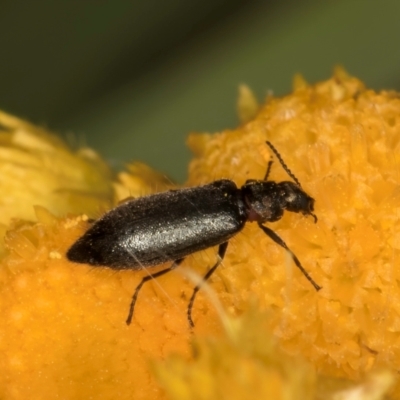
(37, 168)
(247, 363)
(342, 142)
(63, 332)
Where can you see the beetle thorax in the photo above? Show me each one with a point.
(267, 200)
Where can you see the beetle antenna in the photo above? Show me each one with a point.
(268, 170)
(285, 167)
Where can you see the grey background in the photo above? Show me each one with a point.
(133, 78)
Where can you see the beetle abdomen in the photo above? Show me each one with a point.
(163, 227)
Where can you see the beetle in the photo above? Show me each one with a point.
(168, 226)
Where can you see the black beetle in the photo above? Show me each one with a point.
(168, 226)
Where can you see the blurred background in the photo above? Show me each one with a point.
(133, 78)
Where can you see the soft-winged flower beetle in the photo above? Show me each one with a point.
(168, 226)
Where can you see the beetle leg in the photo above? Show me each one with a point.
(221, 254)
(143, 281)
(281, 243)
